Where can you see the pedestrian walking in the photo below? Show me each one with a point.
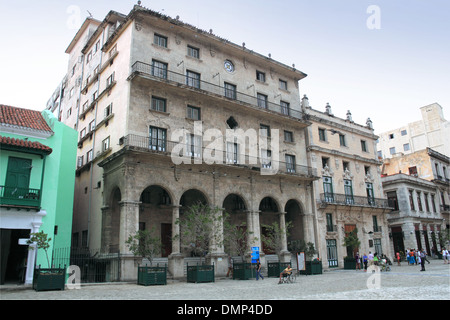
(412, 257)
(230, 266)
(370, 258)
(365, 260)
(444, 255)
(408, 257)
(258, 270)
(397, 255)
(358, 261)
(422, 259)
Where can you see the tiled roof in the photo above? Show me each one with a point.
(33, 145)
(23, 118)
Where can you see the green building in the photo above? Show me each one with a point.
(37, 177)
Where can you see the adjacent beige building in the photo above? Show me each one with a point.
(348, 195)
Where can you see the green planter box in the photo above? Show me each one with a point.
(350, 264)
(49, 279)
(148, 276)
(275, 268)
(312, 267)
(243, 271)
(202, 273)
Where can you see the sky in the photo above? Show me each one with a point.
(382, 59)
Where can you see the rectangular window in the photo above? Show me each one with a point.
(322, 134)
(348, 191)
(392, 150)
(266, 158)
(89, 156)
(433, 203)
(283, 85)
(419, 200)
(159, 69)
(80, 161)
(264, 130)
(288, 136)
(83, 133)
(411, 200)
(427, 205)
(391, 136)
(345, 166)
(158, 104)
(342, 140)
(193, 52)
(157, 138)
(193, 79)
(412, 171)
(94, 95)
(325, 162)
(193, 145)
(406, 147)
(290, 163)
(262, 100)
(193, 113)
(260, 76)
(375, 224)
(370, 194)
(232, 153)
(160, 40)
(392, 200)
(230, 91)
(108, 110)
(285, 108)
(329, 217)
(404, 133)
(364, 145)
(328, 189)
(92, 125)
(105, 144)
(110, 79)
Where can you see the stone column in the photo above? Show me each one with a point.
(176, 259)
(284, 253)
(217, 254)
(129, 224)
(31, 259)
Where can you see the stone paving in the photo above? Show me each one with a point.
(401, 283)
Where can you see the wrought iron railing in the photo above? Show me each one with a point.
(20, 196)
(163, 74)
(349, 200)
(196, 154)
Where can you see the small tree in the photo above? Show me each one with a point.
(144, 244)
(352, 242)
(273, 238)
(303, 246)
(41, 241)
(199, 226)
(237, 238)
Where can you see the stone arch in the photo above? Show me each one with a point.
(193, 196)
(269, 214)
(155, 213)
(236, 206)
(294, 214)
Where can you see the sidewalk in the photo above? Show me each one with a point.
(402, 283)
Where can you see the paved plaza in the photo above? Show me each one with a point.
(401, 283)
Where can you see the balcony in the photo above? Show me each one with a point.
(21, 197)
(181, 80)
(445, 208)
(193, 154)
(347, 200)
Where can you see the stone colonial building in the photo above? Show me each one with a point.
(348, 195)
(169, 115)
(417, 186)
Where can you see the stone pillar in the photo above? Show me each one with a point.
(176, 259)
(31, 259)
(129, 224)
(285, 255)
(217, 254)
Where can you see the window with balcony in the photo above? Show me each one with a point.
(328, 189)
(290, 163)
(157, 138)
(193, 145)
(193, 79)
(232, 153)
(110, 79)
(266, 158)
(370, 194)
(159, 69)
(262, 100)
(230, 91)
(348, 191)
(285, 108)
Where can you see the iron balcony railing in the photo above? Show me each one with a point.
(348, 200)
(163, 74)
(20, 196)
(196, 154)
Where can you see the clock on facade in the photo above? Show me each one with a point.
(228, 65)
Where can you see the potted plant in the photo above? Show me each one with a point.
(352, 243)
(273, 240)
(199, 226)
(48, 278)
(236, 240)
(145, 245)
(312, 266)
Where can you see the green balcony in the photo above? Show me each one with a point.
(21, 197)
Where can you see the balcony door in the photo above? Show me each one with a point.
(17, 177)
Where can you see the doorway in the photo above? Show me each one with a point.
(13, 257)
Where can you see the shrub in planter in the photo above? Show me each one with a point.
(200, 273)
(48, 278)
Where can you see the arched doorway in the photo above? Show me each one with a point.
(155, 213)
(235, 226)
(269, 214)
(294, 215)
